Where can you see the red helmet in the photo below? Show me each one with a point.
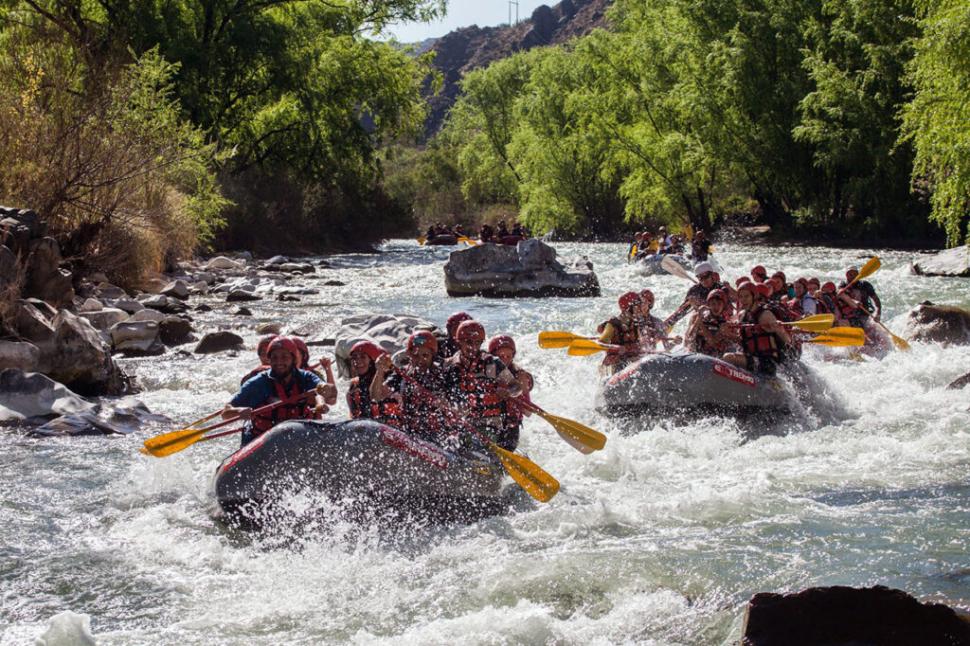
(420, 339)
(716, 294)
(629, 300)
(300, 344)
(759, 271)
(646, 293)
(287, 344)
(263, 344)
(455, 320)
(777, 283)
(829, 287)
(499, 342)
(748, 285)
(780, 274)
(470, 330)
(369, 348)
(763, 290)
(739, 281)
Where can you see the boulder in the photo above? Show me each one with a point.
(295, 268)
(944, 324)
(32, 324)
(119, 417)
(221, 262)
(277, 260)
(163, 303)
(960, 382)
(241, 295)
(8, 266)
(176, 289)
(18, 227)
(129, 305)
(286, 298)
(149, 315)
(45, 279)
(90, 305)
(268, 328)
(108, 292)
(242, 311)
(219, 342)
(206, 277)
(80, 359)
(43, 307)
(175, 331)
(20, 355)
(103, 319)
(136, 338)
(528, 269)
(203, 307)
(389, 331)
(952, 262)
(335, 283)
(30, 394)
(842, 615)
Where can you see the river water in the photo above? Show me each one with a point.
(661, 538)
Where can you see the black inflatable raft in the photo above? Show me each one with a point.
(361, 461)
(688, 384)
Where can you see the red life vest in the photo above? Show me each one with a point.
(362, 406)
(299, 410)
(420, 413)
(625, 334)
(756, 341)
(478, 389)
(854, 315)
(513, 415)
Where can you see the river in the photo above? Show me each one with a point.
(661, 538)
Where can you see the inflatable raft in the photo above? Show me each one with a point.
(362, 461)
(650, 265)
(689, 384)
(444, 239)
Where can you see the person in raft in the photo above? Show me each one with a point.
(363, 365)
(479, 383)
(416, 389)
(283, 380)
(765, 342)
(622, 331)
(503, 347)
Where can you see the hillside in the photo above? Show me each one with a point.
(473, 47)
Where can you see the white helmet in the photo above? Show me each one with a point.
(702, 268)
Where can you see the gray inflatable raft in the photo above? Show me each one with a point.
(362, 461)
(687, 383)
(650, 265)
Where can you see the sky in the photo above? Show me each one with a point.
(462, 13)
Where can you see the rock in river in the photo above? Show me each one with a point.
(219, 342)
(528, 269)
(939, 324)
(952, 262)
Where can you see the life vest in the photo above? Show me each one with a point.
(781, 311)
(477, 389)
(713, 324)
(513, 414)
(252, 373)
(851, 313)
(758, 342)
(419, 412)
(826, 305)
(363, 407)
(625, 334)
(299, 410)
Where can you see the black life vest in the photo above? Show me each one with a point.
(298, 410)
(758, 342)
(419, 412)
(362, 406)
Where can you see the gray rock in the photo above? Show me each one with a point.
(80, 359)
(136, 338)
(163, 303)
(107, 291)
(90, 305)
(242, 311)
(952, 262)
(268, 328)
(8, 266)
(296, 268)
(221, 262)
(20, 355)
(959, 382)
(98, 277)
(389, 331)
(528, 269)
(277, 260)
(129, 305)
(219, 342)
(32, 324)
(203, 307)
(205, 276)
(45, 279)
(176, 289)
(938, 324)
(334, 283)
(149, 315)
(175, 331)
(103, 319)
(286, 298)
(30, 394)
(43, 307)
(120, 417)
(240, 295)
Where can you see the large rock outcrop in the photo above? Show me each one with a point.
(528, 269)
(944, 324)
(26, 395)
(952, 262)
(79, 358)
(842, 616)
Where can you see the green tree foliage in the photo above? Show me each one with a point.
(938, 119)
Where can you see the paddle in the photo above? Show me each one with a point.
(529, 475)
(582, 438)
(558, 338)
(867, 270)
(586, 347)
(421, 240)
(675, 268)
(898, 341)
(835, 342)
(814, 323)
(168, 443)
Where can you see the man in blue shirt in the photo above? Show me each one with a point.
(283, 381)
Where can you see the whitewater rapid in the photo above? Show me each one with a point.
(661, 538)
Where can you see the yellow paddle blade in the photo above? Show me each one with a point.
(816, 323)
(869, 268)
(557, 338)
(846, 333)
(530, 476)
(835, 342)
(421, 240)
(570, 428)
(586, 347)
(169, 443)
(898, 341)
